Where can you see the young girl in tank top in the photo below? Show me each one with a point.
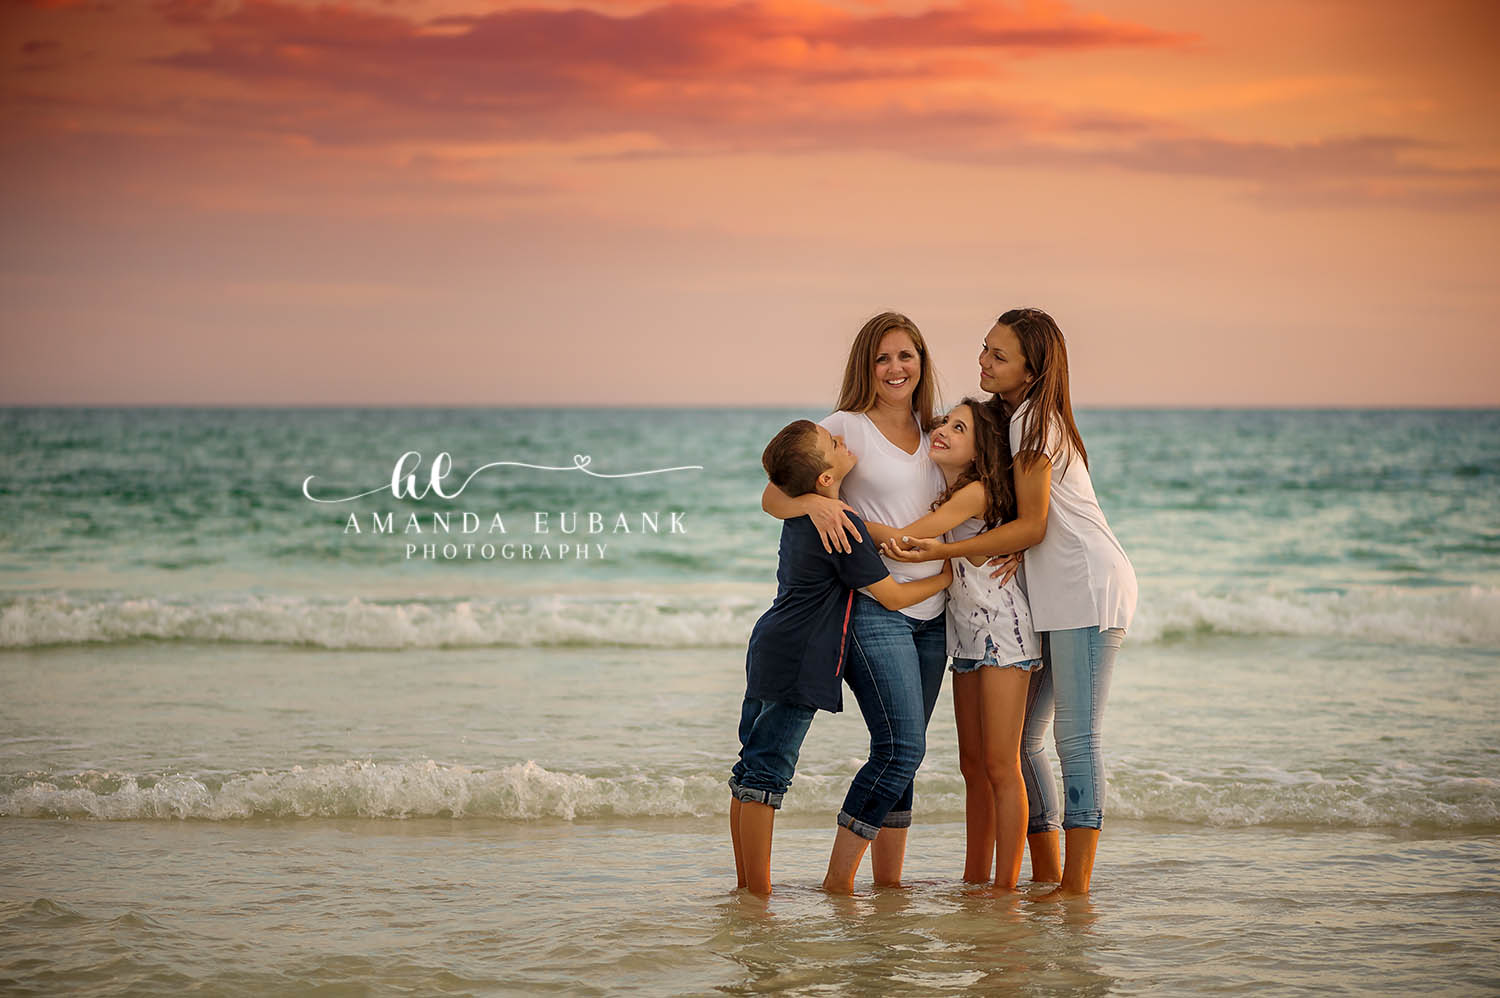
(990, 639)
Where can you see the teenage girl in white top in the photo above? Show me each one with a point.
(1081, 585)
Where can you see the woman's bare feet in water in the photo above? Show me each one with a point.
(848, 850)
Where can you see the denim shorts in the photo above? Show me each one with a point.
(991, 657)
(770, 738)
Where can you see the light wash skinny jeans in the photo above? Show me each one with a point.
(1072, 685)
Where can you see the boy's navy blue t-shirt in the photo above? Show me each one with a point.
(797, 649)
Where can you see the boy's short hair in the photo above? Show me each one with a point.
(792, 459)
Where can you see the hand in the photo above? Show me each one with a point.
(1009, 565)
(912, 549)
(833, 526)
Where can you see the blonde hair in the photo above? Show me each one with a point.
(858, 391)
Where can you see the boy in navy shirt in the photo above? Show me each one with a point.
(795, 662)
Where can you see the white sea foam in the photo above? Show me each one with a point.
(368, 790)
(530, 792)
(643, 620)
(1458, 617)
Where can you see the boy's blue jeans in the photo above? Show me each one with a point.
(895, 669)
(1073, 685)
(770, 738)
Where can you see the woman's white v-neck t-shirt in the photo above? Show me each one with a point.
(892, 487)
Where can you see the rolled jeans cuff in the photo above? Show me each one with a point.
(860, 828)
(1083, 819)
(742, 793)
(897, 819)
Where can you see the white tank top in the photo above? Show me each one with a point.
(984, 613)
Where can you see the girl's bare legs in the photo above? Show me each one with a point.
(979, 801)
(1002, 697)
(848, 850)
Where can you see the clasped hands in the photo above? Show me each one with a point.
(915, 549)
(836, 530)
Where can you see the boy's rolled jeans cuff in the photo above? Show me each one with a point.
(753, 795)
(896, 819)
(863, 829)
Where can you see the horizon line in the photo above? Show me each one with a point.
(432, 407)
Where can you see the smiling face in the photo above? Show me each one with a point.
(953, 439)
(898, 369)
(1002, 365)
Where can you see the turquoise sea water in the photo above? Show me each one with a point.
(243, 747)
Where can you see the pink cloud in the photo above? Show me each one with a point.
(795, 39)
(764, 76)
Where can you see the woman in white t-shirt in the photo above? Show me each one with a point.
(1080, 584)
(896, 658)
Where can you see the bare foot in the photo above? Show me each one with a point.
(991, 891)
(833, 886)
(1058, 893)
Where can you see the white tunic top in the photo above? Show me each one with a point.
(892, 487)
(1078, 576)
(983, 612)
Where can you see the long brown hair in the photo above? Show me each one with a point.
(990, 467)
(858, 391)
(1046, 356)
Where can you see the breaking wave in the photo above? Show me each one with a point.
(1404, 795)
(1456, 617)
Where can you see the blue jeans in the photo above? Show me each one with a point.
(895, 670)
(770, 738)
(1072, 685)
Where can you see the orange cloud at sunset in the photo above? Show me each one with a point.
(199, 180)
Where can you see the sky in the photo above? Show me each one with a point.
(695, 202)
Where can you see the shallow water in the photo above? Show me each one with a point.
(482, 906)
(243, 752)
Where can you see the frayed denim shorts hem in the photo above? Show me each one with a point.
(960, 666)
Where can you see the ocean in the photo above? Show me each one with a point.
(254, 743)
